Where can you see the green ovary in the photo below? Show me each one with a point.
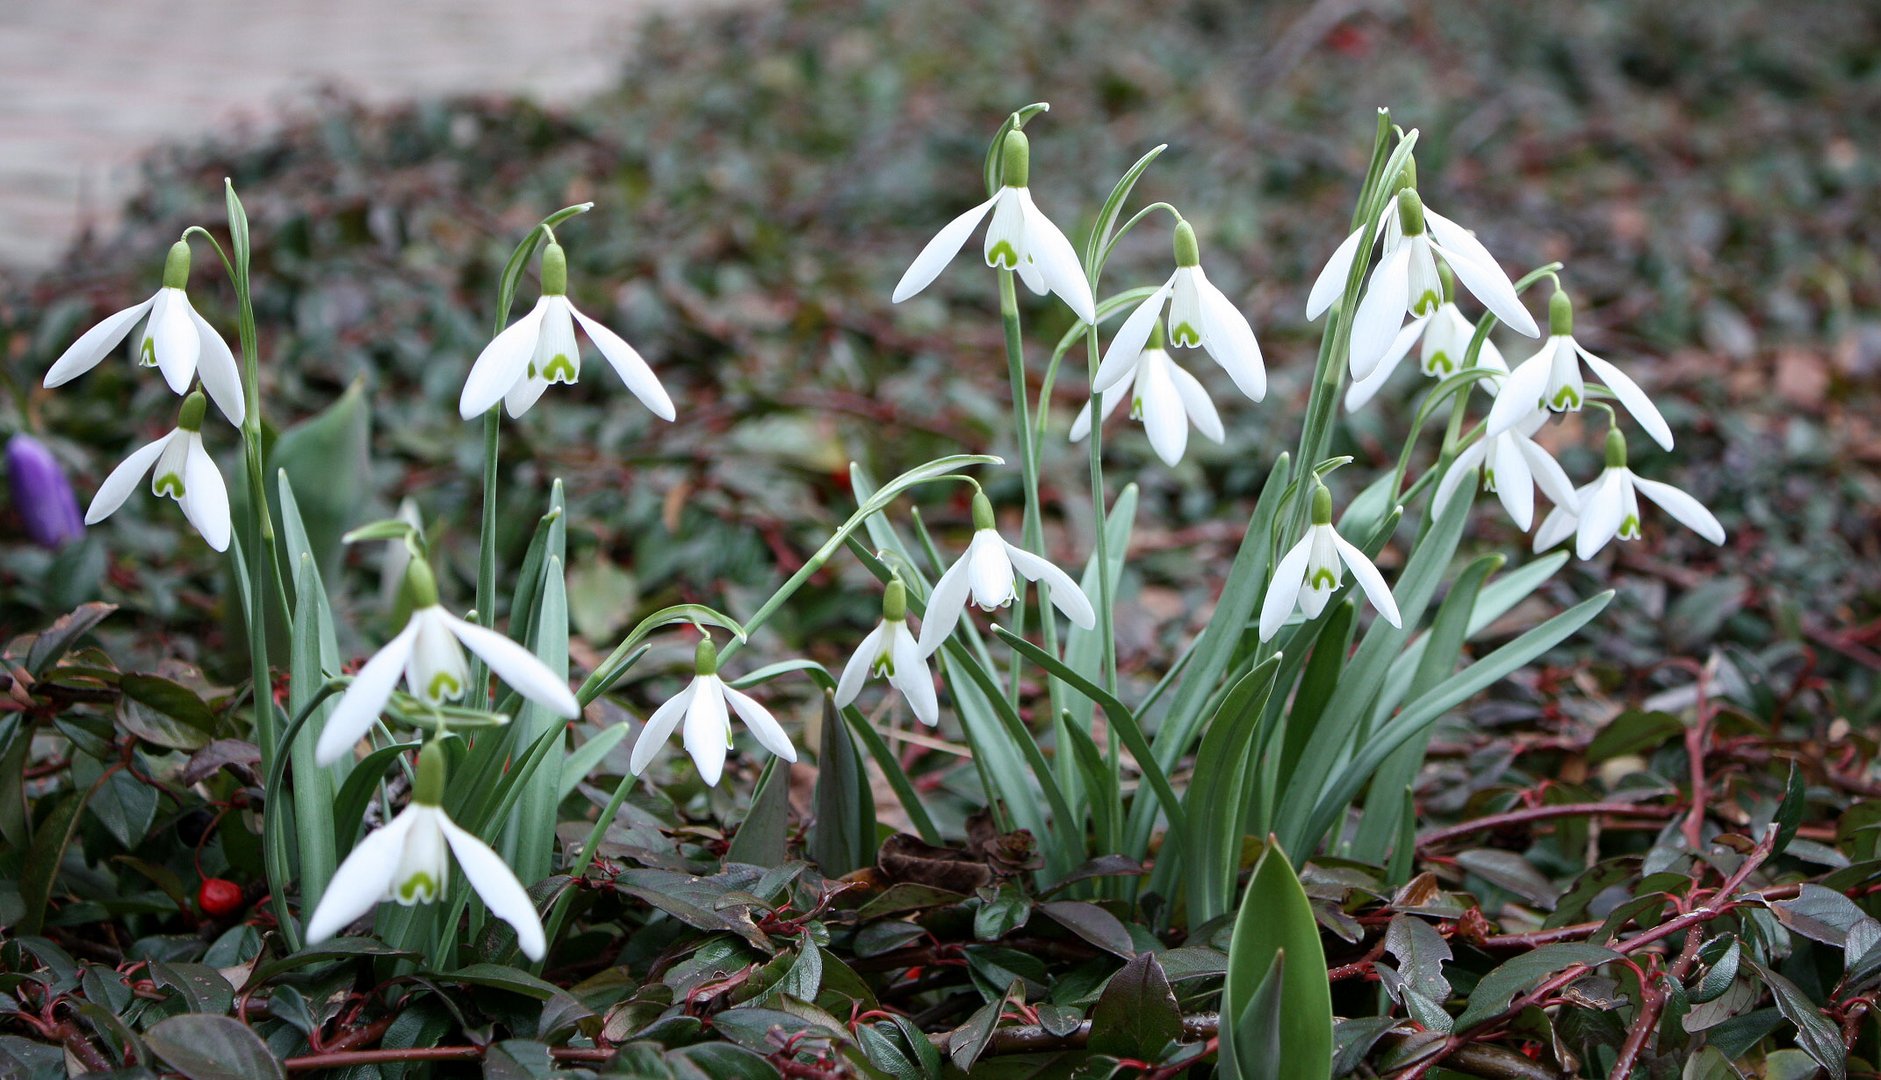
(443, 685)
(1003, 256)
(169, 484)
(559, 369)
(420, 888)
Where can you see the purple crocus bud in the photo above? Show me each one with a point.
(41, 493)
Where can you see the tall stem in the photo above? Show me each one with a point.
(1105, 629)
(486, 533)
(1028, 468)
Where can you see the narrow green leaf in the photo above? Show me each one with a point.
(761, 839)
(844, 837)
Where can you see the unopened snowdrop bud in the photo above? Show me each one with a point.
(176, 341)
(421, 585)
(987, 573)
(41, 493)
(1609, 508)
(1200, 316)
(1551, 379)
(892, 652)
(409, 861)
(706, 705)
(1310, 572)
(1020, 238)
(540, 350)
(180, 469)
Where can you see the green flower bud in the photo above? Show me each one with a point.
(1411, 212)
(982, 511)
(1560, 314)
(554, 270)
(1616, 447)
(1322, 505)
(1448, 277)
(190, 418)
(1187, 253)
(421, 586)
(176, 266)
(427, 787)
(1406, 178)
(895, 601)
(705, 658)
(1016, 160)
(1156, 335)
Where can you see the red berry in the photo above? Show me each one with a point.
(219, 898)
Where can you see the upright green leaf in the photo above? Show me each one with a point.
(844, 837)
(1276, 917)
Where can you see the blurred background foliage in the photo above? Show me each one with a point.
(1706, 170)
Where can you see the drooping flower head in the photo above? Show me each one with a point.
(1513, 464)
(1442, 339)
(41, 494)
(539, 349)
(1200, 315)
(176, 341)
(1309, 573)
(708, 732)
(988, 573)
(1164, 397)
(1020, 238)
(429, 653)
(409, 861)
(890, 651)
(180, 469)
(1406, 282)
(1609, 507)
(1551, 379)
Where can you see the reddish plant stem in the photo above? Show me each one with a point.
(345, 1058)
(1652, 1002)
(1528, 814)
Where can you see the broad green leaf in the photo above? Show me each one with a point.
(212, 1048)
(1495, 991)
(844, 837)
(1137, 1015)
(1276, 917)
(761, 839)
(51, 836)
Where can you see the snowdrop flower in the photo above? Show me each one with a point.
(1020, 238)
(181, 469)
(1609, 507)
(176, 341)
(409, 861)
(430, 654)
(987, 573)
(539, 349)
(708, 731)
(1406, 281)
(1310, 573)
(890, 650)
(1199, 314)
(1552, 379)
(1512, 464)
(1164, 397)
(1445, 336)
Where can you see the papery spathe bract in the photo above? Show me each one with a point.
(987, 574)
(176, 341)
(539, 349)
(1310, 572)
(429, 652)
(1609, 507)
(890, 650)
(1020, 238)
(1513, 464)
(1165, 398)
(1406, 281)
(707, 734)
(1200, 315)
(409, 861)
(1551, 379)
(180, 469)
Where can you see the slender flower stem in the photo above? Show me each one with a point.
(1106, 630)
(486, 536)
(1032, 532)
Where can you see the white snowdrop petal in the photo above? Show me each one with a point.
(1686, 510)
(1283, 589)
(517, 666)
(1330, 284)
(498, 885)
(205, 497)
(1066, 596)
(1057, 261)
(856, 671)
(1601, 512)
(362, 879)
(92, 346)
(1471, 458)
(124, 479)
(707, 731)
(1549, 476)
(174, 339)
(1631, 396)
(1369, 579)
(1126, 347)
(1521, 391)
(1113, 397)
(1381, 312)
(1164, 420)
(989, 570)
(501, 363)
(1560, 525)
(216, 367)
(365, 699)
(1229, 339)
(1515, 485)
(769, 733)
(1196, 403)
(944, 605)
(660, 727)
(627, 363)
(939, 252)
(912, 677)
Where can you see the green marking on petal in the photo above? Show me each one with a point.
(147, 352)
(560, 369)
(170, 484)
(1186, 336)
(1136, 406)
(420, 888)
(1629, 527)
(1003, 256)
(444, 685)
(1565, 400)
(884, 666)
(1440, 359)
(1489, 479)
(1426, 303)
(1323, 579)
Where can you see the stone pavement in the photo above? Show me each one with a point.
(90, 86)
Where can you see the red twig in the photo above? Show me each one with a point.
(1540, 813)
